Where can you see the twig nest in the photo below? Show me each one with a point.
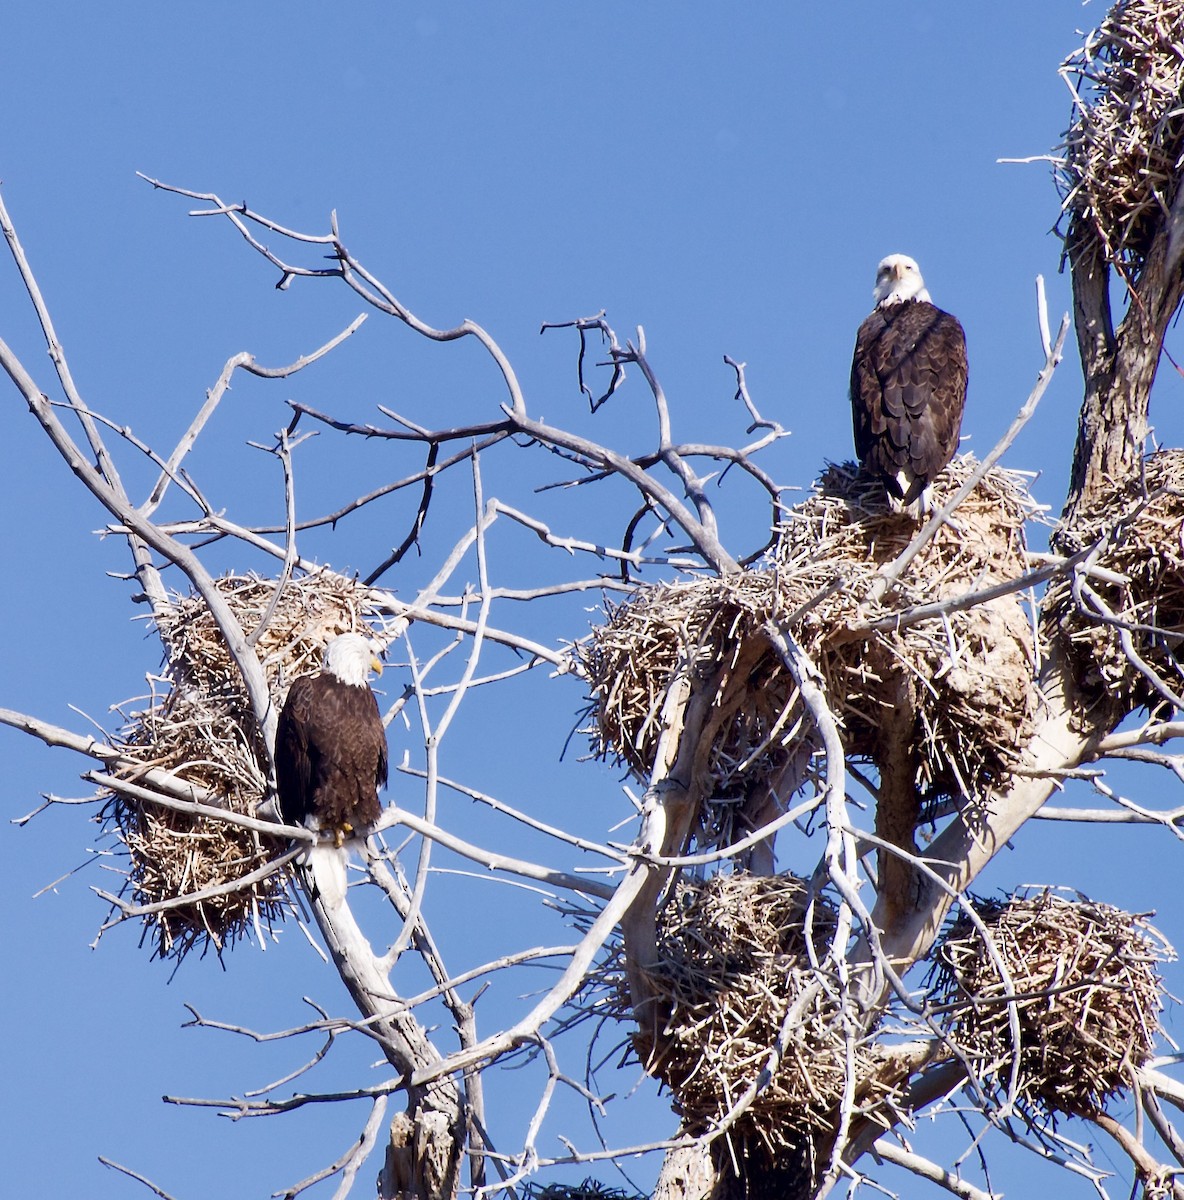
(1089, 996)
(1125, 637)
(589, 1189)
(969, 672)
(201, 729)
(733, 962)
(692, 627)
(1123, 150)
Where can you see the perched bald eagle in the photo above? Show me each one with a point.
(330, 744)
(908, 386)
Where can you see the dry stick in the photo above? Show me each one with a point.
(356, 1156)
(421, 513)
(1156, 1178)
(149, 796)
(919, 613)
(241, 361)
(703, 538)
(1166, 1130)
(891, 572)
(889, 1151)
(378, 1106)
(128, 911)
(746, 843)
(1151, 733)
(633, 558)
(128, 435)
(490, 859)
(607, 583)
(842, 863)
(436, 736)
(582, 325)
(414, 611)
(1009, 994)
(423, 475)
(649, 839)
(147, 573)
(284, 453)
(463, 1013)
(524, 818)
(317, 1058)
(726, 454)
(400, 609)
(58, 356)
(1104, 614)
(107, 1162)
(692, 484)
(361, 1025)
(700, 530)
(758, 422)
(1164, 1086)
(529, 1158)
(1106, 816)
(56, 735)
(237, 1108)
(146, 532)
(406, 1044)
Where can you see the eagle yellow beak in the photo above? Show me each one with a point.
(375, 664)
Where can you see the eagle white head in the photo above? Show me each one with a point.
(898, 278)
(351, 658)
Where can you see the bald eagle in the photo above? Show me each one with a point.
(330, 744)
(908, 386)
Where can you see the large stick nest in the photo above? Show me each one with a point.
(970, 672)
(202, 729)
(733, 961)
(1126, 638)
(1124, 150)
(1089, 995)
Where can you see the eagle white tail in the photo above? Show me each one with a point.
(326, 865)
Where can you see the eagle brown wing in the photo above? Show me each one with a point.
(331, 754)
(908, 392)
(293, 761)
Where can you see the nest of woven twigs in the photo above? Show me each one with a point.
(1089, 997)
(969, 672)
(588, 1189)
(1123, 151)
(733, 959)
(1125, 635)
(201, 728)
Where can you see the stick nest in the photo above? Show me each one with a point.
(589, 1189)
(1123, 151)
(1089, 990)
(969, 674)
(202, 730)
(1139, 533)
(732, 961)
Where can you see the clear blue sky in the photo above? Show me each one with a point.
(726, 176)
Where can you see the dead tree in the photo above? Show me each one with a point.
(946, 672)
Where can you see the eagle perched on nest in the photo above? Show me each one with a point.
(330, 744)
(908, 386)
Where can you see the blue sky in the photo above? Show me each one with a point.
(726, 176)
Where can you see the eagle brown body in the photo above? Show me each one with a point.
(331, 752)
(908, 388)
